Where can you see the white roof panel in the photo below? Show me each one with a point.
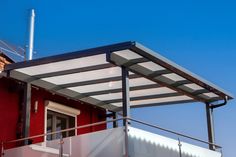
(94, 76)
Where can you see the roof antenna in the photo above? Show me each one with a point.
(31, 35)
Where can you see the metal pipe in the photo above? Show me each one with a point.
(173, 132)
(126, 106)
(179, 145)
(210, 126)
(61, 147)
(65, 130)
(26, 111)
(31, 35)
(219, 105)
(109, 121)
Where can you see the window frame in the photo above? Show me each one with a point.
(61, 109)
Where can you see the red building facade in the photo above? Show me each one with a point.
(12, 119)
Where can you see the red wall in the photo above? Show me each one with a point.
(10, 106)
(89, 114)
(9, 110)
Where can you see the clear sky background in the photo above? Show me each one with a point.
(198, 35)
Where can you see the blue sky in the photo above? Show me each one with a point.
(198, 35)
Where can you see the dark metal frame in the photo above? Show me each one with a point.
(134, 46)
(72, 55)
(126, 105)
(147, 54)
(142, 87)
(26, 111)
(210, 126)
(111, 121)
(164, 81)
(71, 71)
(165, 95)
(156, 58)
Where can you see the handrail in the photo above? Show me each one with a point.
(109, 121)
(173, 132)
(64, 130)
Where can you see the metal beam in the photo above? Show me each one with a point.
(26, 111)
(210, 126)
(120, 90)
(163, 83)
(159, 73)
(133, 46)
(160, 79)
(162, 61)
(71, 71)
(125, 93)
(165, 95)
(72, 55)
(180, 83)
(135, 61)
(158, 104)
(195, 92)
(63, 92)
(103, 80)
(126, 105)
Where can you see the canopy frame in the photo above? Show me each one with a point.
(132, 64)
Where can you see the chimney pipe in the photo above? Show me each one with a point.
(31, 35)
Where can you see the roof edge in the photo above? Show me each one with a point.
(71, 55)
(150, 54)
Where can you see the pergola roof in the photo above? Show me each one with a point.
(94, 76)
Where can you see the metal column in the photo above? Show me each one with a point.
(31, 35)
(125, 93)
(210, 126)
(115, 123)
(126, 105)
(26, 111)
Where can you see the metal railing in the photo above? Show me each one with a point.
(173, 132)
(4, 143)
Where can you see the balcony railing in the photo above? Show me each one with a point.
(113, 142)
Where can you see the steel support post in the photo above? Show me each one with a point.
(210, 126)
(2, 149)
(61, 147)
(115, 123)
(26, 111)
(180, 150)
(126, 105)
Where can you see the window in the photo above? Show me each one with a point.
(56, 122)
(59, 117)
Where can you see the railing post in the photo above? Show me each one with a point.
(2, 149)
(180, 145)
(126, 105)
(210, 126)
(61, 147)
(115, 123)
(221, 152)
(26, 111)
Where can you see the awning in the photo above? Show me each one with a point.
(94, 76)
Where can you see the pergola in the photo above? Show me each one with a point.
(118, 77)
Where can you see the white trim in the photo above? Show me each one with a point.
(45, 124)
(62, 108)
(45, 149)
(56, 107)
